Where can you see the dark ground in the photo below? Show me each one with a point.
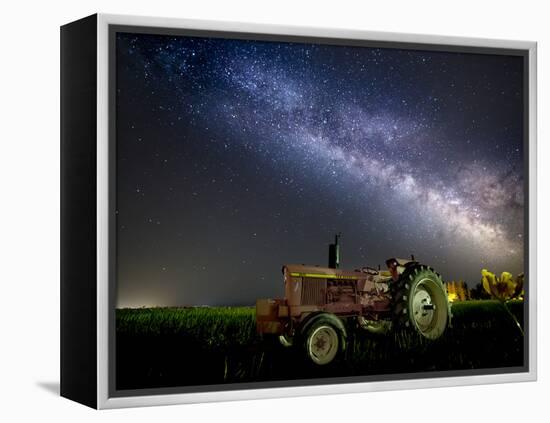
(167, 347)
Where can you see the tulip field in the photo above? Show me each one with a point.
(163, 347)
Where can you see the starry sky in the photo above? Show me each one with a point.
(235, 157)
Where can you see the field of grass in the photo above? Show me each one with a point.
(163, 347)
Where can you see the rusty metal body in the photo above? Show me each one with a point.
(311, 289)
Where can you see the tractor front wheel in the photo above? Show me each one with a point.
(324, 339)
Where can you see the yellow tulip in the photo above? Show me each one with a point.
(503, 288)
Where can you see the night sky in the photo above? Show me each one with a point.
(235, 157)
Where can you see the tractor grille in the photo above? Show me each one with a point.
(313, 291)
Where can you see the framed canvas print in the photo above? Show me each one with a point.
(255, 211)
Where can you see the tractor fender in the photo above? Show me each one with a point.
(310, 319)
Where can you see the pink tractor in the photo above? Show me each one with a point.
(319, 301)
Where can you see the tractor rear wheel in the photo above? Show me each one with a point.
(420, 302)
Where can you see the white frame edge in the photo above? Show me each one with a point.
(103, 399)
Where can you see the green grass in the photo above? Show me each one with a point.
(214, 327)
(161, 347)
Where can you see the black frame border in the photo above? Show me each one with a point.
(78, 211)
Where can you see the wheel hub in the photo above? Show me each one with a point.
(423, 308)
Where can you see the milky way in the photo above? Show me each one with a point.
(235, 157)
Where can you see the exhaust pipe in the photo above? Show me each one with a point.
(334, 253)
